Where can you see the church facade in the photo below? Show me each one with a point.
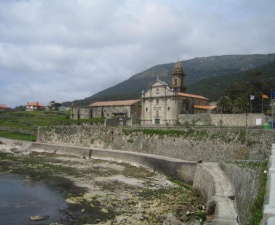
(162, 104)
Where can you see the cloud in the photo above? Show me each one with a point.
(66, 50)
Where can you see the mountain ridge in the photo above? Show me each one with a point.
(196, 69)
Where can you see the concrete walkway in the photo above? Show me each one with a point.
(225, 213)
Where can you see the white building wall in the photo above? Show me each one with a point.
(159, 105)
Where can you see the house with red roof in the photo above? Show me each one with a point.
(4, 107)
(35, 106)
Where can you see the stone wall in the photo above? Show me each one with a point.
(225, 120)
(239, 120)
(246, 182)
(85, 112)
(74, 113)
(178, 169)
(195, 119)
(215, 144)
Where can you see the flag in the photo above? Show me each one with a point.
(264, 96)
(273, 94)
(252, 97)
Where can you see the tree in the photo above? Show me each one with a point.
(20, 108)
(225, 104)
(241, 105)
(254, 85)
(187, 106)
(54, 105)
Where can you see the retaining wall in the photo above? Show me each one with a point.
(226, 120)
(178, 169)
(246, 182)
(213, 144)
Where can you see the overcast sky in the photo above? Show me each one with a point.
(64, 50)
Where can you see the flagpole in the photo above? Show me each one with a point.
(262, 104)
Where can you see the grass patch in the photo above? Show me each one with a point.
(181, 184)
(196, 134)
(31, 120)
(17, 122)
(17, 136)
(6, 156)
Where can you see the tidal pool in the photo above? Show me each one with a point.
(21, 198)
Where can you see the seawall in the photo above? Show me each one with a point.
(201, 175)
(212, 144)
(178, 169)
(208, 145)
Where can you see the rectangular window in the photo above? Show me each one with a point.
(146, 109)
(168, 108)
(157, 91)
(157, 101)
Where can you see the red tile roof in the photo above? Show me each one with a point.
(205, 107)
(4, 106)
(181, 94)
(115, 103)
(35, 104)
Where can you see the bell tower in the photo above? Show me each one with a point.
(178, 76)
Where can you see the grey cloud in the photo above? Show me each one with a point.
(66, 50)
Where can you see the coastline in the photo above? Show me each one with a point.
(108, 192)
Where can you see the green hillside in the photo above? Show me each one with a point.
(195, 69)
(214, 87)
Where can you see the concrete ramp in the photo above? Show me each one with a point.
(211, 180)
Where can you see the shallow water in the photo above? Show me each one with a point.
(20, 199)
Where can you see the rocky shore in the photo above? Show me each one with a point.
(106, 192)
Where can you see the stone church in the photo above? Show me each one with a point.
(162, 104)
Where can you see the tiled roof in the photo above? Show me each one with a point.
(115, 103)
(205, 107)
(35, 104)
(181, 94)
(4, 106)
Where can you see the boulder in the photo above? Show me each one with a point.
(38, 218)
